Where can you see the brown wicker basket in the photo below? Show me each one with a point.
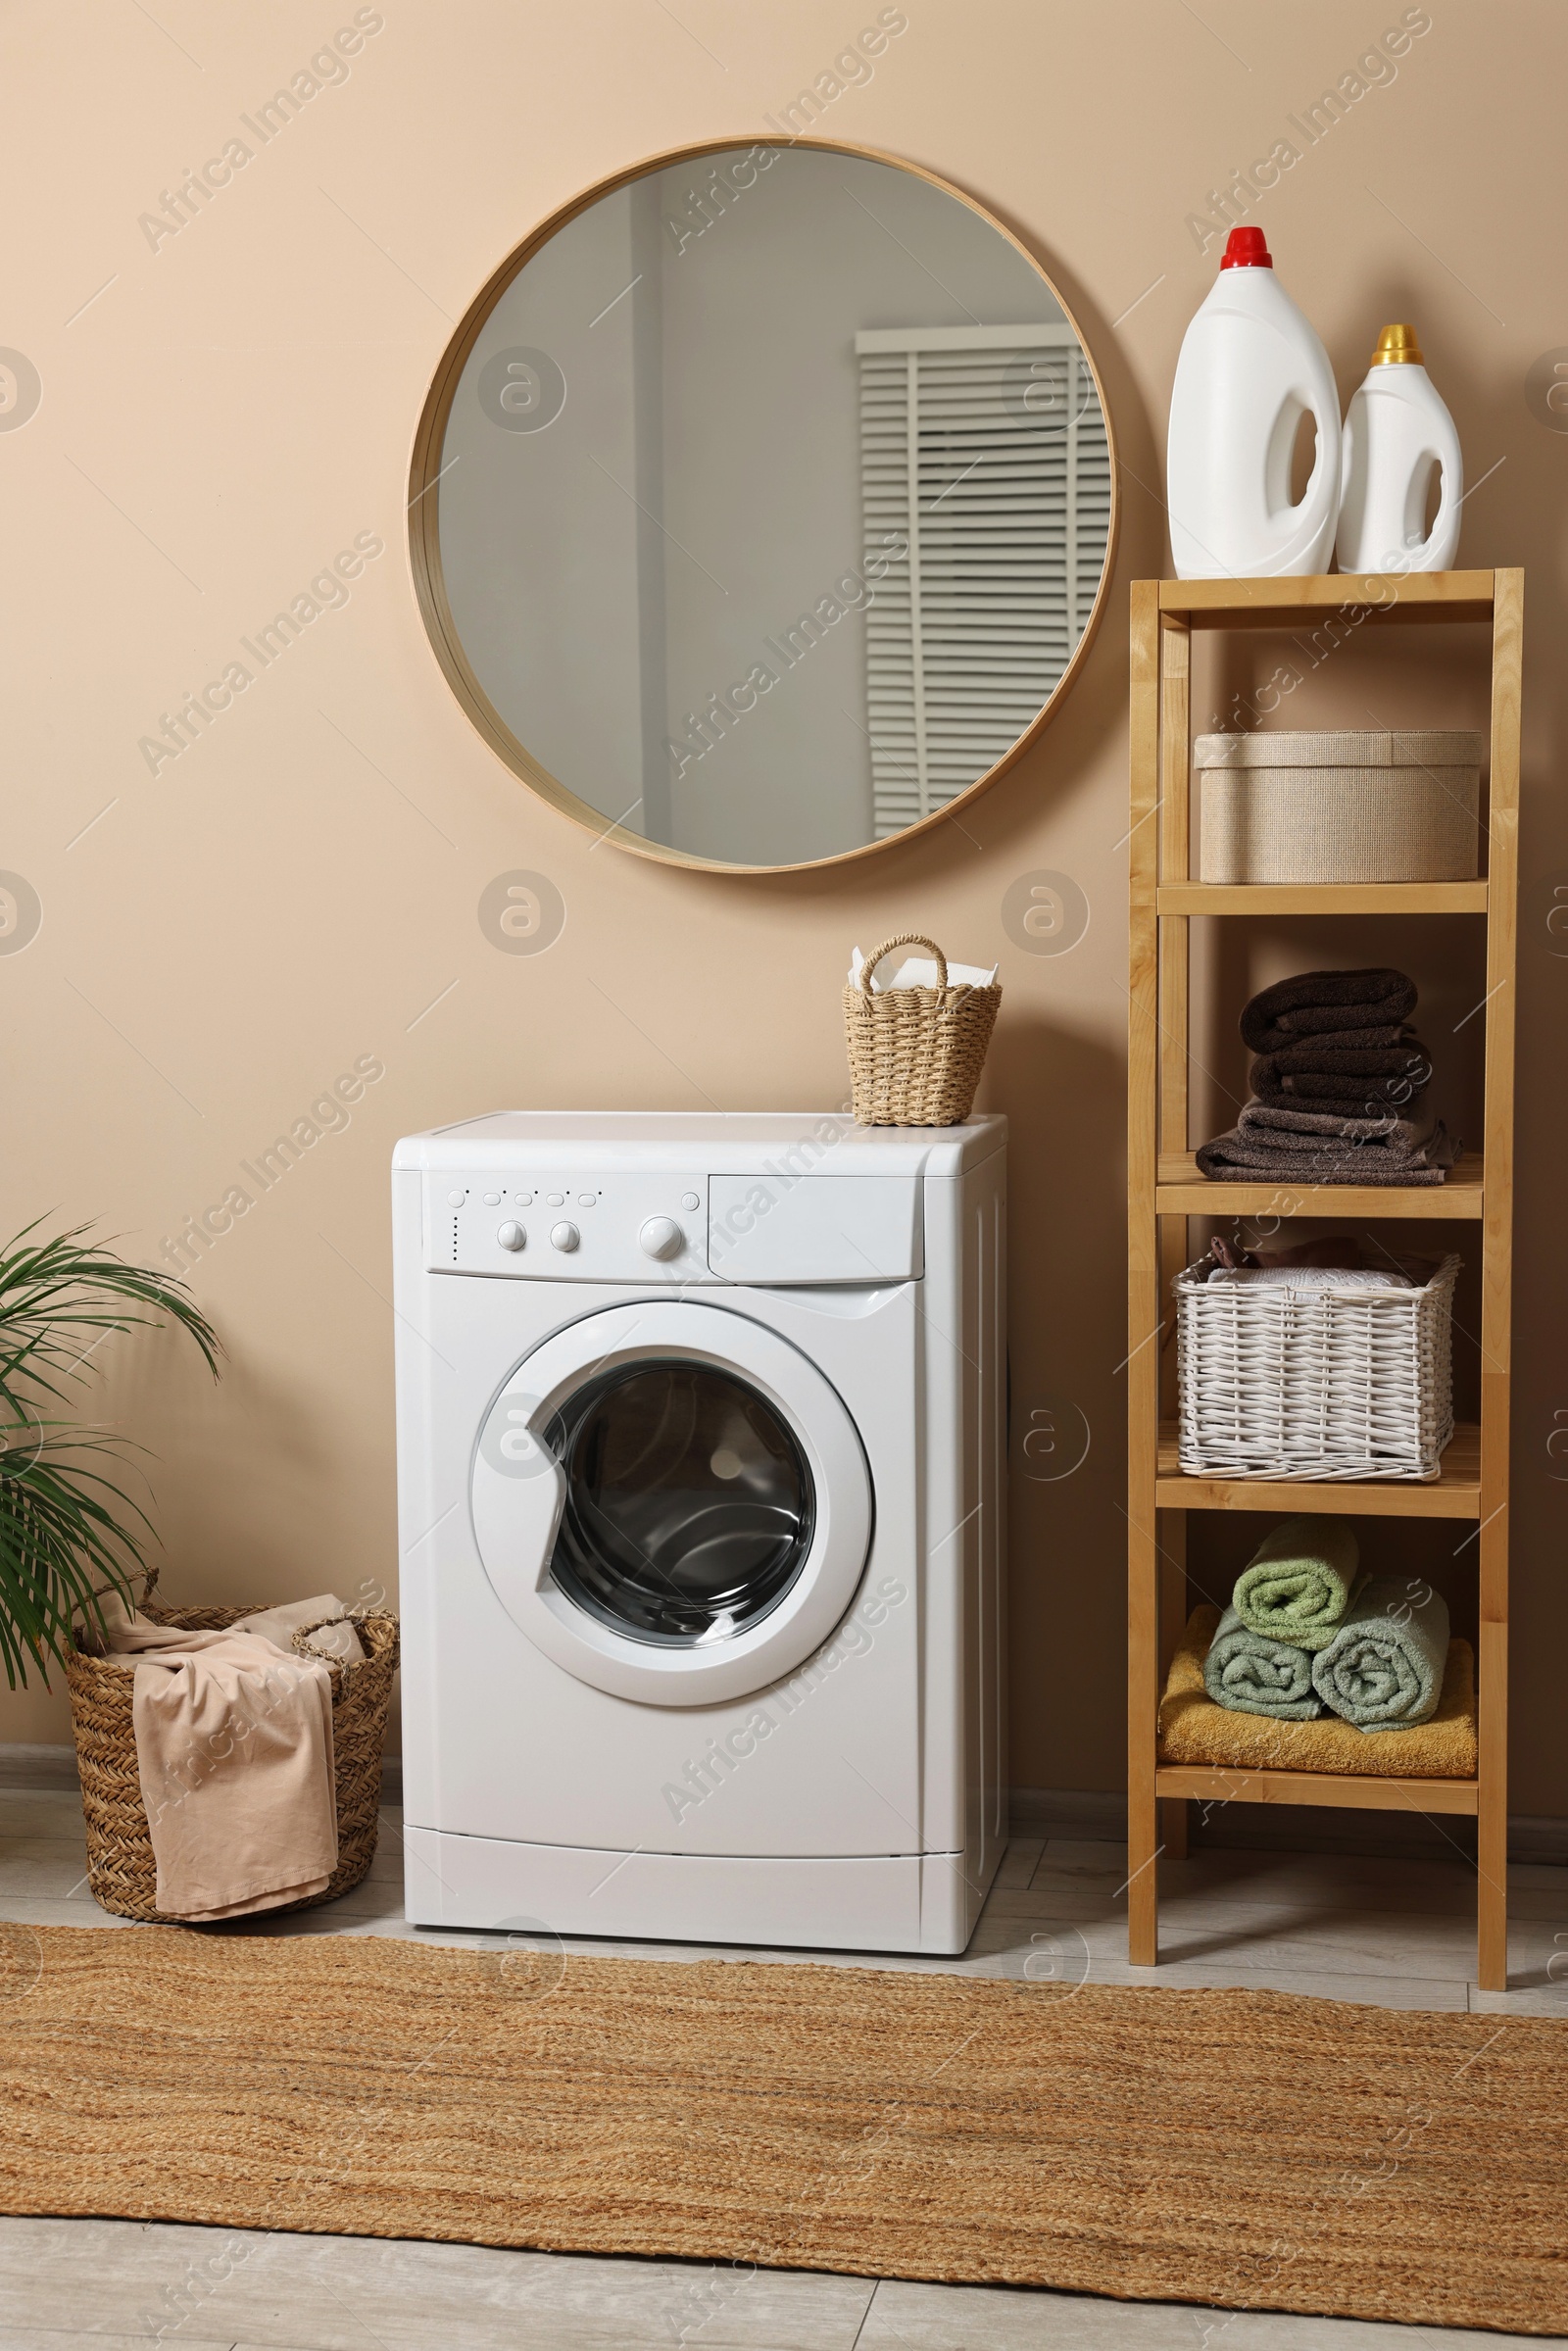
(121, 1871)
(917, 1054)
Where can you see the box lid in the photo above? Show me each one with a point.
(1422, 747)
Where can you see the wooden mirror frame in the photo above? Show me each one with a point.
(425, 539)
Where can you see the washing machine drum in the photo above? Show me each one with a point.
(673, 1502)
(689, 1508)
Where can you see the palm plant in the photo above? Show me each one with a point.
(68, 1531)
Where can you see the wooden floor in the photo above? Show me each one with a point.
(1345, 1926)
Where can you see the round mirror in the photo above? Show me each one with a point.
(763, 504)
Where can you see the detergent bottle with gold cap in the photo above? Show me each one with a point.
(1398, 433)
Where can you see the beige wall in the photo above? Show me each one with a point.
(299, 888)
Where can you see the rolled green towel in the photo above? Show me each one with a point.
(1299, 1584)
(1253, 1675)
(1383, 1670)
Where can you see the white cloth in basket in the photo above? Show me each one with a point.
(1309, 1277)
(919, 971)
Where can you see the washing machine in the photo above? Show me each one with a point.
(700, 1436)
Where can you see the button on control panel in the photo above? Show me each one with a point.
(640, 1226)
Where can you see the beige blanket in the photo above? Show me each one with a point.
(234, 1753)
(280, 1624)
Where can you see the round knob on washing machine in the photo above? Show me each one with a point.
(662, 1236)
(511, 1235)
(564, 1235)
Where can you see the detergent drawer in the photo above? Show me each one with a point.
(813, 1229)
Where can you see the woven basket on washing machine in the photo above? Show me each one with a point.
(917, 1054)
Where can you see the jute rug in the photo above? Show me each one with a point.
(1249, 2149)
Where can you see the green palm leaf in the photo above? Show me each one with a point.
(68, 1533)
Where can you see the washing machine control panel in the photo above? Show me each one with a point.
(571, 1225)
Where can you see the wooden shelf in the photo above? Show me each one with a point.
(1455, 1493)
(1165, 1188)
(1371, 1793)
(1181, 1190)
(1430, 596)
(1321, 898)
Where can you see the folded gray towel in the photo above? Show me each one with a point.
(1244, 1153)
(1276, 1125)
(1253, 1675)
(1383, 1670)
(1316, 1002)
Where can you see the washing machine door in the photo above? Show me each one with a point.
(672, 1502)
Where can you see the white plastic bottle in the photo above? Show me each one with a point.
(1250, 367)
(1397, 429)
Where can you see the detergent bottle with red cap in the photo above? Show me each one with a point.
(1398, 433)
(1251, 368)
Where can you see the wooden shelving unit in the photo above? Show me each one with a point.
(1165, 1188)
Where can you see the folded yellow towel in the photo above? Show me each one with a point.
(1193, 1730)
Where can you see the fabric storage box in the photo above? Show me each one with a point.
(1276, 1380)
(1339, 808)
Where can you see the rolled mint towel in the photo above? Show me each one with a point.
(1383, 1669)
(1253, 1675)
(1316, 1002)
(1299, 1584)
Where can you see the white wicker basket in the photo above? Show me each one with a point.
(1354, 806)
(1276, 1381)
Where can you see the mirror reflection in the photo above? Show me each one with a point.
(772, 503)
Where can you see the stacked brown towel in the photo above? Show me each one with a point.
(1342, 1081)
(1315, 1003)
(1315, 1147)
(1336, 1087)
